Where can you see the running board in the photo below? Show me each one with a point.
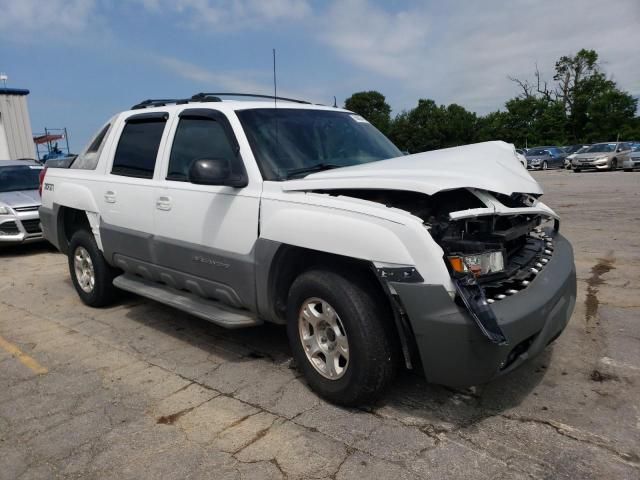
(210, 310)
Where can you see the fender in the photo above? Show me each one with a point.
(334, 231)
(74, 195)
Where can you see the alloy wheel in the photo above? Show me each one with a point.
(83, 266)
(324, 338)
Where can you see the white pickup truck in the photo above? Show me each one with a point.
(241, 212)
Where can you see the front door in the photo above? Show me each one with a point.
(204, 234)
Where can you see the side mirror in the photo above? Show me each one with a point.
(215, 171)
(619, 149)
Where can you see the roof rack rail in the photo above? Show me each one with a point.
(205, 97)
(161, 102)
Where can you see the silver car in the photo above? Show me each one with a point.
(602, 156)
(19, 202)
(634, 158)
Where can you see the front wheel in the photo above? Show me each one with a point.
(614, 165)
(544, 165)
(92, 276)
(342, 336)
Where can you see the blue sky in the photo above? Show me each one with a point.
(84, 60)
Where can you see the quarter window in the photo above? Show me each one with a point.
(88, 160)
(138, 147)
(198, 138)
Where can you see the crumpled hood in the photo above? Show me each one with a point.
(491, 166)
(22, 198)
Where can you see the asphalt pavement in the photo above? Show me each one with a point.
(140, 390)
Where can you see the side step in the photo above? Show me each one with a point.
(210, 310)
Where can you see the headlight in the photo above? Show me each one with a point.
(602, 159)
(478, 263)
(4, 210)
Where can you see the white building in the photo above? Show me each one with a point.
(16, 138)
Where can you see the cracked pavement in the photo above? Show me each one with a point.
(140, 390)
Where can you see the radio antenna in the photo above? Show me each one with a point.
(275, 84)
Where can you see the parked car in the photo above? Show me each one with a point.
(602, 156)
(633, 161)
(19, 201)
(308, 216)
(522, 151)
(543, 158)
(572, 155)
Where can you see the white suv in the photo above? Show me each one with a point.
(242, 212)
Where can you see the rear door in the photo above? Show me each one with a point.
(127, 195)
(205, 234)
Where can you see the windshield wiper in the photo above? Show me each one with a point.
(318, 167)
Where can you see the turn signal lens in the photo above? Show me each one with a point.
(457, 264)
(479, 263)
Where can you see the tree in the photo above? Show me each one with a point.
(581, 105)
(373, 106)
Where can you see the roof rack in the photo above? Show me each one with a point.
(203, 96)
(207, 97)
(161, 102)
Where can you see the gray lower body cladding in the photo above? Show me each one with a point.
(452, 349)
(50, 228)
(204, 271)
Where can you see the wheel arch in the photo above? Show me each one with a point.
(278, 265)
(70, 220)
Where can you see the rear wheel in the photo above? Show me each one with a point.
(92, 276)
(341, 336)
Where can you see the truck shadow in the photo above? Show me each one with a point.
(410, 399)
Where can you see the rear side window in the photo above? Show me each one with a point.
(197, 138)
(138, 146)
(88, 160)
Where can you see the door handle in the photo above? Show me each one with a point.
(110, 197)
(163, 203)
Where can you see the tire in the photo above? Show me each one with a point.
(628, 169)
(545, 166)
(85, 254)
(576, 170)
(614, 165)
(366, 323)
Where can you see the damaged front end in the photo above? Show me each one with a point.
(492, 255)
(494, 244)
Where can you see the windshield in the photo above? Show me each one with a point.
(636, 148)
(19, 177)
(602, 147)
(537, 152)
(583, 149)
(286, 141)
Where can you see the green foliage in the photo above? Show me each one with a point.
(373, 106)
(583, 106)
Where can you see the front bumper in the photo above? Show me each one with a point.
(452, 349)
(22, 227)
(591, 166)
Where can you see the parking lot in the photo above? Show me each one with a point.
(140, 390)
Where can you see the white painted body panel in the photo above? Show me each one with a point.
(491, 166)
(353, 228)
